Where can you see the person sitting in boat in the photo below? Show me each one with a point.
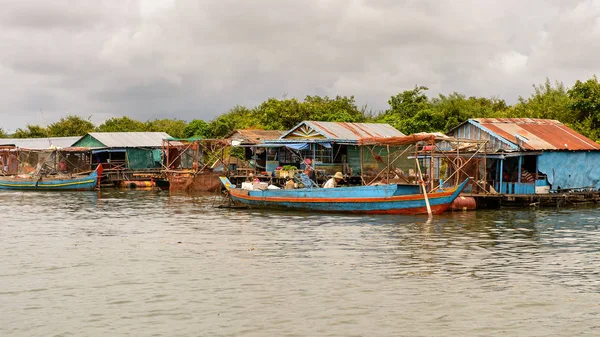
(252, 179)
(290, 184)
(63, 167)
(305, 179)
(334, 181)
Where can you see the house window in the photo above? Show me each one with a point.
(322, 154)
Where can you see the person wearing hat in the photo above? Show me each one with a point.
(289, 183)
(333, 181)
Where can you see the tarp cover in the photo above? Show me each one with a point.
(570, 169)
(157, 155)
(296, 146)
(141, 159)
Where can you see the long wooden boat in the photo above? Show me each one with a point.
(383, 199)
(52, 183)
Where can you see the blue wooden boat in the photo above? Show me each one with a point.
(52, 183)
(383, 199)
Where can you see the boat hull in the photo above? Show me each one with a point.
(86, 183)
(352, 202)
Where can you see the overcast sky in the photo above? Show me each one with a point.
(196, 59)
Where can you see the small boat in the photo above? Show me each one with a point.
(382, 199)
(52, 183)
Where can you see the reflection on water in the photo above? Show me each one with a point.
(149, 263)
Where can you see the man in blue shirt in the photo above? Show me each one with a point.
(305, 179)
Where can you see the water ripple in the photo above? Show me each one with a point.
(137, 263)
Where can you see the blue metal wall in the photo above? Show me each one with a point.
(571, 169)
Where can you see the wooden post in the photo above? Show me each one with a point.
(431, 168)
(254, 157)
(485, 169)
(424, 189)
(388, 165)
(416, 158)
(457, 179)
(362, 179)
(520, 164)
(501, 175)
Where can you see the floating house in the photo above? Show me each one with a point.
(328, 147)
(125, 150)
(51, 154)
(129, 159)
(245, 144)
(525, 156)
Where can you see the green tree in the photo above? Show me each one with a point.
(70, 126)
(585, 106)
(405, 106)
(275, 114)
(31, 131)
(121, 124)
(3, 133)
(174, 127)
(412, 111)
(453, 109)
(239, 117)
(547, 101)
(196, 128)
(339, 109)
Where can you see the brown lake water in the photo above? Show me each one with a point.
(135, 263)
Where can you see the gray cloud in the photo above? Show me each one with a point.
(196, 59)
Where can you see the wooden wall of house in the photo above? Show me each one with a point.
(470, 131)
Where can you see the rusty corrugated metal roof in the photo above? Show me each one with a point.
(537, 134)
(39, 143)
(342, 131)
(254, 136)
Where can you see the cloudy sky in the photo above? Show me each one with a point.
(197, 58)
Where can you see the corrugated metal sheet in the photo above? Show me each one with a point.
(254, 136)
(39, 143)
(537, 134)
(473, 130)
(346, 131)
(129, 139)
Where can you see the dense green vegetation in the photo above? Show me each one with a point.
(409, 111)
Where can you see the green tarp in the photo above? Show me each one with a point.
(143, 158)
